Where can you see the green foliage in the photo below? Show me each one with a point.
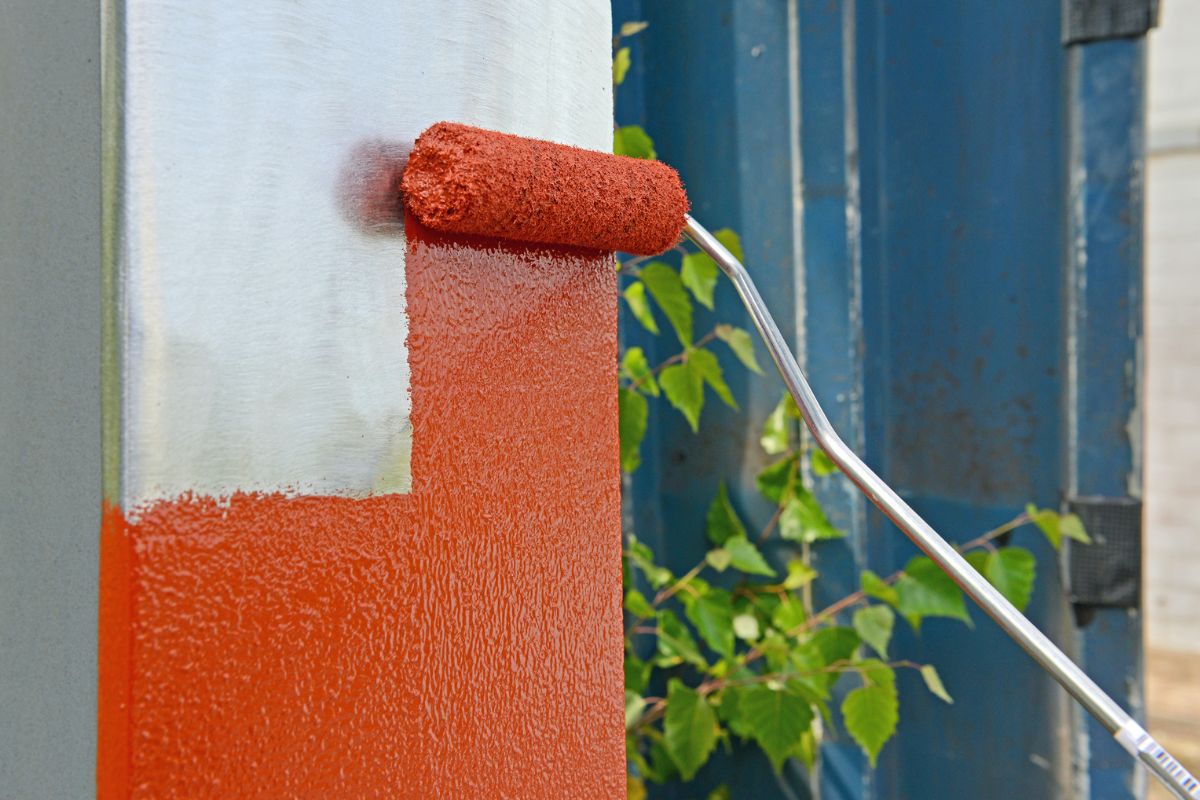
(741, 344)
(723, 522)
(874, 624)
(925, 591)
(684, 387)
(666, 287)
(621, 63)
(690, 730)
(632, 141)
(872, 711)
(632, 412)
(735, 644)
(635, 297)
(933, 682)
(1057, 526)
(743, 555)
(1011, 570)
(776, 718)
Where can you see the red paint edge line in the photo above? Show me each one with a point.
(114, 746)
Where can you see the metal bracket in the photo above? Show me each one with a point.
(1108, 572)
(1097, 20)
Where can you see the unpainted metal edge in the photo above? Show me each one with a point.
(112, 42)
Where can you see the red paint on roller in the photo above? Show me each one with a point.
(462, 179)
(461, 641)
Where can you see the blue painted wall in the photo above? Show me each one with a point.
(915, 185)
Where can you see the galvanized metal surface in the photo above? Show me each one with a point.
(49, 395)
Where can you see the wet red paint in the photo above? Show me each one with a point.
(463, 179)
(462, 641)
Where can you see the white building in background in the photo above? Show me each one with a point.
(1172, 396)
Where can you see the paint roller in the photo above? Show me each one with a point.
(465, 180)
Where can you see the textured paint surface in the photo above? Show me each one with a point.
(262, 317)
(461, 179)
(460, 641)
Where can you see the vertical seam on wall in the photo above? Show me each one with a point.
(1076, 283)
(797, 183)
(854, 258)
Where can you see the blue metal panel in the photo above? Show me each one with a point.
(1104, 333)
(961, 131)
(900, 175)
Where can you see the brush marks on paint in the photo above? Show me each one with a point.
(263, 327)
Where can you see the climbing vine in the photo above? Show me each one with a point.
(734, 648)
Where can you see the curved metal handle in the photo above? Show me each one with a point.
(1013, 622)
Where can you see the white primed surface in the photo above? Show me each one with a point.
(264, 326)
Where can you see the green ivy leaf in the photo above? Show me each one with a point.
(745, 557)
(690, 728)
(877, 587)
(720, 793)
(741, 344)
(722, 521)
(873, 625)
(705, 363)
(926, 591)
(639, 306)
(632, 141)
(636, 367)
(871, 714)
(637, 673)
(712, 614)
(822, 464)
(699, 274)
(1057, 526)
(788, 615)
(732, 242)
(1047, 522)
(675, 642)
(803, 519)
(776, 481)
(636, 604)
(827, 646)
(634, 706)
(1011, 570)
(632, 412)
(933, 682)
(666, 287)
(643, 558)
(633, 28)
(685, 390)
(730, 711)
(777, 432)
(1072, 528)
(835, 643)
(799, 575)
(634, 788)
(776, 720)
(718, 558)
(621, 64)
